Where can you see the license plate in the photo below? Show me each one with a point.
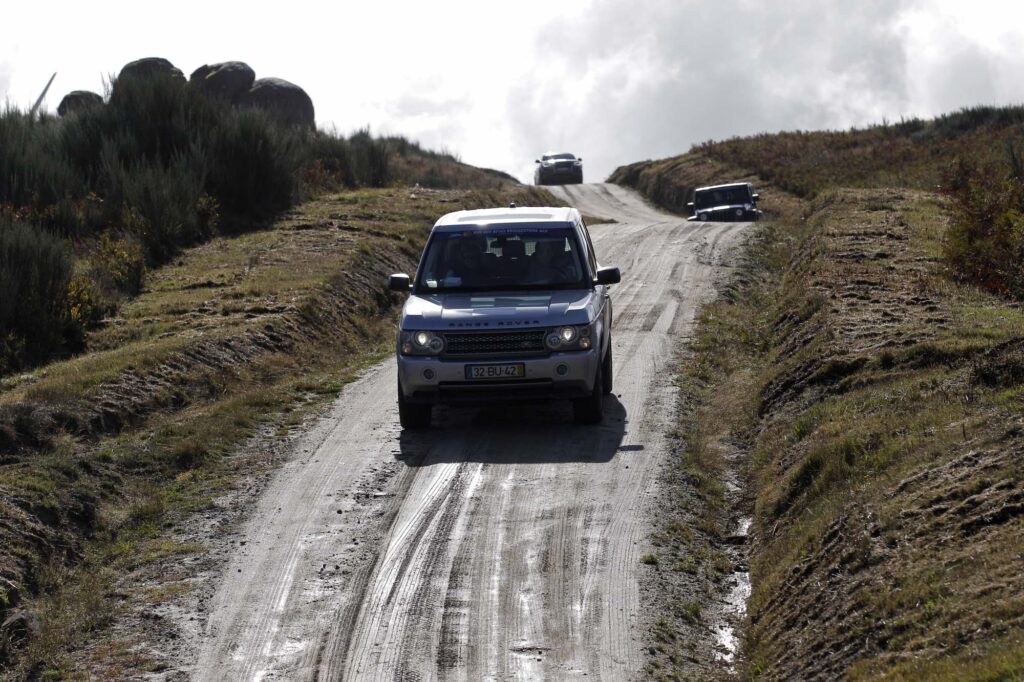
(517, 371)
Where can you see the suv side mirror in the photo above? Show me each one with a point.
(689, 204)
(536, 160)
(580, 158)
(755, 196)
(608, 276)
(399, 282)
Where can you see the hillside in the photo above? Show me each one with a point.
(114, 186)
(881, 444)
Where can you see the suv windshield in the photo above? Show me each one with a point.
(502, 258)
(724, 196)
(558, 157)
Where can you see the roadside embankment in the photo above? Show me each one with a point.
(878, 404)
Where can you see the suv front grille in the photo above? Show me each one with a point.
(495, 343)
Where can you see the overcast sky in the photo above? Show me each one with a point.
(615, 81)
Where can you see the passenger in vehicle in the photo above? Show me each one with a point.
(513, 261)
(547, 264)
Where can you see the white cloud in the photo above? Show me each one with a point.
(613, 80)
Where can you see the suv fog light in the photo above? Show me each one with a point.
(562, 370)
(428, 374)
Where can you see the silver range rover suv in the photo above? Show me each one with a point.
(508, 305)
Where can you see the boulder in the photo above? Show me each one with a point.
(229, 80)
(286, 101)
(20, 625)
(78, 100)
(149, 67)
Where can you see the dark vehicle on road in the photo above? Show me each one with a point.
(736, 202)
(558, 169)
(508, 305)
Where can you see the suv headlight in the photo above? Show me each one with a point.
(570, 338)
(420, 343)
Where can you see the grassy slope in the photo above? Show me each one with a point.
(912, 154)
(884, 437)
(888, 519)
(238, 336)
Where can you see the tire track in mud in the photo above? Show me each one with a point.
(502, 544)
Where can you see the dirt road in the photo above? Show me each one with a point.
(501, 544)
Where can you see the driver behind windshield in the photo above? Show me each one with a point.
(466, 261)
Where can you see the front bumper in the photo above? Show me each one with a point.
(448, 385)
(560, 175)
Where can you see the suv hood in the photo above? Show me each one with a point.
(497, 310)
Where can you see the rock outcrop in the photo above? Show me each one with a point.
(286, 101)
(149, 67)
(78, 100)
(229, 80)
(234, 82)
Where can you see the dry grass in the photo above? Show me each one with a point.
(911, 154)
(885, 450)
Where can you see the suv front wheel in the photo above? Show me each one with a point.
(606, 370)
(411, 415)
(590, 410)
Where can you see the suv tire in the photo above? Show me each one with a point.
(411, 415)
(606, 370)
(590, 410)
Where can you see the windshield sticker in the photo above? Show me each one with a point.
(510, 231)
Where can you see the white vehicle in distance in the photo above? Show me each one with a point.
(508, 305)
(725, 203)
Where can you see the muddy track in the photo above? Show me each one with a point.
(502, 543)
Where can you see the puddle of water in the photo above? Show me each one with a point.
(735, 606)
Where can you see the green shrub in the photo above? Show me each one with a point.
(254, 166)
(370, 159)
(331, 166)
(33, 172)
(35, 271)
(120, 263)
(985, 243)
(159, 205)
